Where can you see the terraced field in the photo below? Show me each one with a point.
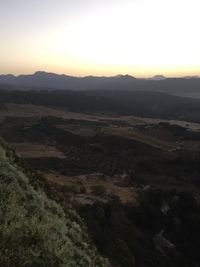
(67, 144)
(29, 150)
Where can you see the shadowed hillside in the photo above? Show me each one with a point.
(137, 103)
(34, 230)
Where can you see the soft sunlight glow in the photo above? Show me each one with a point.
(139, 37)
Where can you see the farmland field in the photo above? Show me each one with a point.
(28, 150)
(119, 172)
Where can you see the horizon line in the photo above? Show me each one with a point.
(103, 76)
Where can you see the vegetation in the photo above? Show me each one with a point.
(137, 103)
(127, 235)
(34, 230)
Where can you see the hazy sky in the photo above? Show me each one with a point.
(100, 37)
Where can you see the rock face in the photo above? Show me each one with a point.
(34, 230)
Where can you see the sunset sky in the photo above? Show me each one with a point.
(100, 37)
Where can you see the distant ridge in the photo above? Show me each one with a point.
(158, 77)
(61, 81)
(186, 86)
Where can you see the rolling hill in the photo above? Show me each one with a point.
(35, 230)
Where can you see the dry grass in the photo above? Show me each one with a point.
(28, 110)
(160, 142)
(19, 110)
(82, 130)
(29, 150)
(125, 194)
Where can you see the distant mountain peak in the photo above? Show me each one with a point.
(40, 72)
(191, 77)
(8, 75)
(158, 77)
(126, 76)
(44, 73)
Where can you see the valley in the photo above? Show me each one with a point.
(99, 133)
(117, 171)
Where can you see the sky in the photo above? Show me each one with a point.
(100, 37)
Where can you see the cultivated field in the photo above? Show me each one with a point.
(130, 153)
(28, 150)
(93, 185)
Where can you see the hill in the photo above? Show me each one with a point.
(137, 103)
(34, 230)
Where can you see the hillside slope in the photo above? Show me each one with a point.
(34, 230)
(137, 103)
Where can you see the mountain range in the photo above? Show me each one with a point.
(186, 86)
